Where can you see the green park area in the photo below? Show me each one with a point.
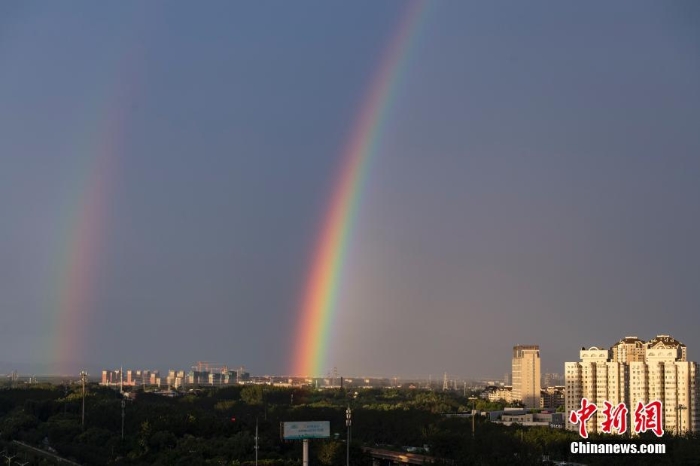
(43, 424)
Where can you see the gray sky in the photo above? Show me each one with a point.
(537, 182)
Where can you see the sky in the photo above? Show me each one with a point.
(166, 169)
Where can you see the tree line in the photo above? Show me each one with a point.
(216, 426)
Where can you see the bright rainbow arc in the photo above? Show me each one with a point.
(322, 288)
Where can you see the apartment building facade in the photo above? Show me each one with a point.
(634, 371)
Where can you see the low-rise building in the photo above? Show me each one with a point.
(553, 397)
(494, 393)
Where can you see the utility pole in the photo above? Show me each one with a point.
(65, 396)
(305, 452)
(348, 424)
(678, 419)
(83, 378)
(473, 400)
(123, 414)
(256, 441)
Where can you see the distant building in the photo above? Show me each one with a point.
(206, 375)
(110, 377)
(553, 397)
(195, 378)
(154, 378)
(130, 378)
(526, 375)
(526, 418)
(553, 379)
(242, 375)
(176, 379)
(494, 393)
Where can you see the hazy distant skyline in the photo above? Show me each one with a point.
(165, 168)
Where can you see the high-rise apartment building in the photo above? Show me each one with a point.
(526, 375)
(597, 378)
(634, 371)
(627, 350)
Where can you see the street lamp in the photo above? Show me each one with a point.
(348, 424)
(83, 378)
(123, 405)
(678, 418)
(256, 441)
(473, 400)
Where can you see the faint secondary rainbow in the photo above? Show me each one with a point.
(84, 219)
(323, 282)
(78, 263)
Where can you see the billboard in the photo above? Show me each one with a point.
(304, 430)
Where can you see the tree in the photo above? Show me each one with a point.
(330, 453)
(252, 395)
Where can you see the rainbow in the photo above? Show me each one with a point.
(76, 282)
(320, 296)
(84, 218)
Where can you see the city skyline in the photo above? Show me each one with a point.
(168, 176)
(9, 369)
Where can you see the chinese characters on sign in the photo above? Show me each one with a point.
(646, 417)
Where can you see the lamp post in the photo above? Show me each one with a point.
(65, 395)
(473, 400)
(123, 414)
(256, 441)
(83, 378)
(348, 424)
(678, 418)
